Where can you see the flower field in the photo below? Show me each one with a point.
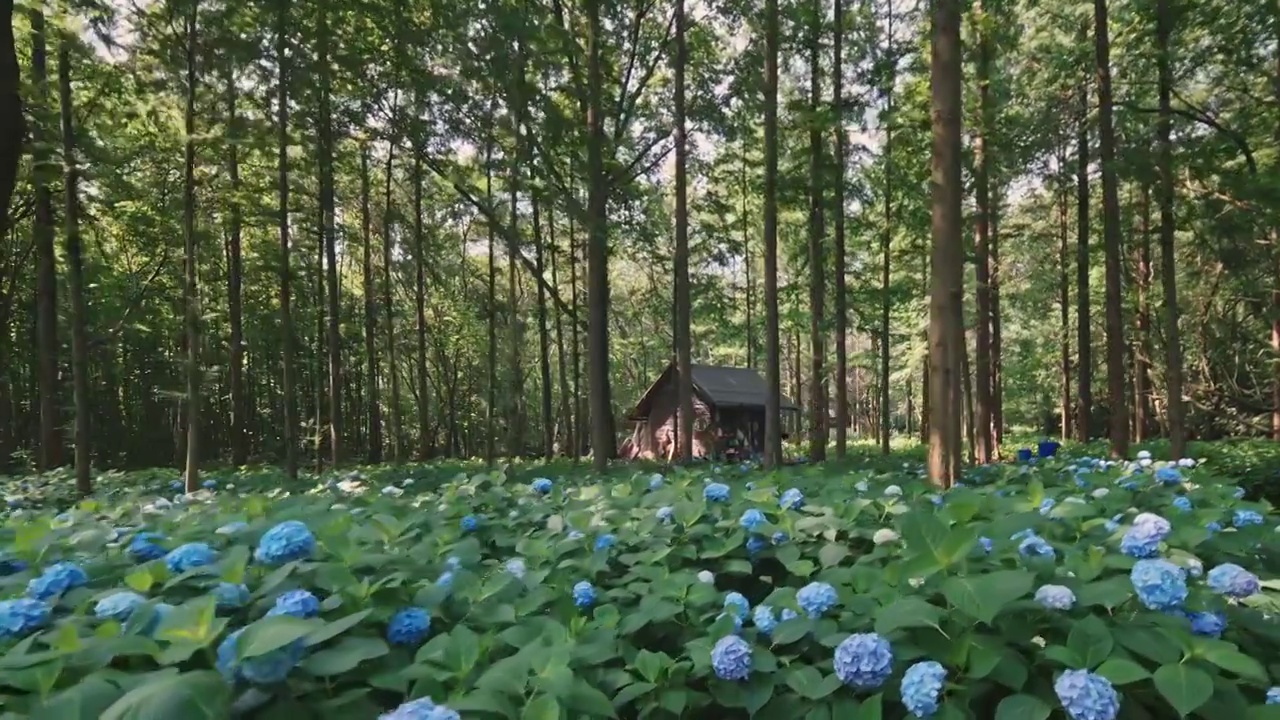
(1064, 587)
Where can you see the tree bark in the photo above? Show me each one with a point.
(841, 290)
(602, 435)
(235, 278)
(887, 236)
(388, 243)
(75, 269)
(947, 254)
(566, 414)
(191, 296)
(282, 163)
(1119, 406)
(1084, 360)
(1275, 251)
(328, 221)
(817, 276)
(1143, 351)
(1168, 264)
(544, 339)
(772, 364)
(683, 301)
(13, 126)
(420, 307)
(1064, 293)
(997, 336)
(370, 314)
(984, 442)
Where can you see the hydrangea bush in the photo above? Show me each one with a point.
(1026, 592)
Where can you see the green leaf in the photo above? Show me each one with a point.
(586, 699)
(805, 680)
(1022, 707)
(1108, 593)
(344, 656)
(1186, 688)
(335, 628)
(199, 695)
(543, 707)
(984, 596)
(271, 633)
(650, 664)
(86, 700)
(632, 692)
(832, 553)
(1232, 660)
(905, 612)
(1091, 641)
(1122, 672)
(791, 630)
(140, 579)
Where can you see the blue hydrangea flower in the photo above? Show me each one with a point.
(297, 603)
(290, 540)
(986, 544)
(229, 596)
(575, 535)
(470, 523)
(176, 485)
(764, 619)
(921, 687)
(731, 658)
(209, 484)
(816, 598)
(1244, 518)
(1213, 526)
(453, 562)
(1056, 597)
(516, 567)
(665, 514)
(656, 481)
(1156, 524)
(11, 566)
(409, 626)
(792, 499)
(1160, 584)
(779, 538)
(1046, 505)
(1209, 624)
(118, 606)
(188, 556)
(737, 604)
(1183, 503)
(1168, 475)
(584, 594)
(542, 486)
(56, 580)
(1023, 534)
(1273, 696)
(445, 580)
(21, 617)
(752, 519)
(864, 661)
(421, 709)
(267, 669)
(606, 541)
(756, 543)
(1238, 493)
(1036, 546)
(715, 492)
(788, 614)
(1233, 581)
(1086, 696)
(1140, 541)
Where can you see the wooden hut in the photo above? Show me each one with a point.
(728, 405)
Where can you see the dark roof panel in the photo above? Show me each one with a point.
(720, 386)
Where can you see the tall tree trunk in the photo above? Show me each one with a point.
(566, 415)
(1064, 293)
(50, 455)
(772, 364)
(491, 387)
(389, 310)
(515, 399)
(235, 277)
(544, 339)
(746, 263)
(997, 336)
(1275, 251)
(1084, 343)
(602, 435)
(190, 294)
(683, 301)
(841, 308)
(289, 379)
(1119, 406)
(886, 237)
(370, 314)
(420, 307)
(947, 255)
(817, 272)
(925, 405)
(13, 126)
(575, 255)
(318, 364)
(1168, 264)
(75, 270)
(1143, 351)
(984, 442)
(328, 221)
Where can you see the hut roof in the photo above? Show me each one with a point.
(723, 387)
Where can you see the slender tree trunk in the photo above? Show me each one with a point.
(1064, 293)
(746, 263)
(515, 400)
(388, 309)
(191, 296)
(841, 301)
(544, 339)
(925, 405)
(1168, 262)
(997, 336)
(75, 270)
(579, 423)
(1084, 360)
(773, 374)
(13, 126)
(602, 434)
(684, 350)
(566, 415)
(235, 276)
(50, 454)
(370, 314)
(1275, 251)
(984, 445)
(328, 221)
(817, 271)
(1111, 236)
(886, 237)
(1143, 353)
(286, 310)
(947, 255)
(420, 306)
(969, 424)
(491, 386)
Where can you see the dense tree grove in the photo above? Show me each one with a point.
(321, 233)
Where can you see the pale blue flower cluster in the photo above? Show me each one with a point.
(542, 486)
(143, 547)
(409, 626)
(921, 688)
(1141, 541)
(266, 669)
(752, 519)
(1183, 503)
(817, 598)
(1238, 493)
(756, 543)
(1046, 505)
(863, 661)
(470, 523)
(229, 596)
(1160, 584)
(516, 567)
(1086, 696)
(584, 594)
(665, 514)
(1208, 624)
(56, 580)
(1056, 597)
(21, 617)
(296, 603)
(986, 544)
(1273, 695)
(1233, 581)
(288, 541)
(606, 541)
(715, 492)
(189, 556)
(737, 604)
(792, 499)
(656, 481)
(421, 709)
(764, 619)
(1168, 475)
(1245, 518)
(118, 606)
(731, 658)
(1035, 546)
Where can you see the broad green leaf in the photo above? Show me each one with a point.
(587, 700)
(344, 656)
(543, 707)
(984, 596)
(1186, 688)
(1090, 641)
(832, 553)
(1232, 660)
(273, 632)
(199, 695)
(1122, 672)
(905, 612)
(1023, 707)
(335, 628)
